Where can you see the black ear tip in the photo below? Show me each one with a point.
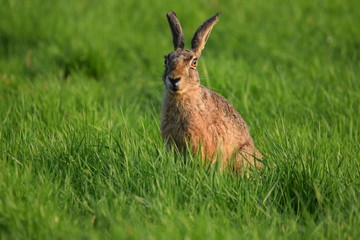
(171, 13)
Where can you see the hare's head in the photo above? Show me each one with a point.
(180, 73)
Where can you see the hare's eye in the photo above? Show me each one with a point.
(194, 62)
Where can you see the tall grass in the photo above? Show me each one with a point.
(80, 100)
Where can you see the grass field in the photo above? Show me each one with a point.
(81, 155)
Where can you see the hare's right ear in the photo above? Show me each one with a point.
(178, 36)
(202, 33)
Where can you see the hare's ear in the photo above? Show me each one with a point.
(202, 33)
(177, 33)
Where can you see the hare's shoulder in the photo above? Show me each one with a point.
(222, 106)
(218, 101)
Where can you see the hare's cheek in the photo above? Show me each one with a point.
(167, 83)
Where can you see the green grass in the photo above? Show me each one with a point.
(81, 155)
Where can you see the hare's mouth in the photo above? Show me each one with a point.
(174, 88)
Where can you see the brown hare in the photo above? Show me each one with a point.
(194, 116)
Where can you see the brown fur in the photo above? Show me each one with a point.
(197, 117)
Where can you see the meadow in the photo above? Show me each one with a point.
(81, 156)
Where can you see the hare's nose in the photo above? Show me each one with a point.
(174, 80)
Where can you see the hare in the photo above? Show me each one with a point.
(194, 116)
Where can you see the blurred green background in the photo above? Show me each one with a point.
(80, 106)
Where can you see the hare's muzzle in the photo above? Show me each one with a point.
(173, 82)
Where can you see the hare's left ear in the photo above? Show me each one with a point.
(202, 33)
